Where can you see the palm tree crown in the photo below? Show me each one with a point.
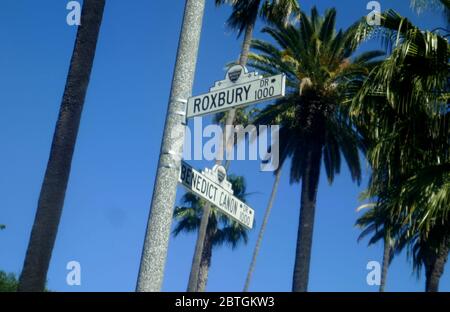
(317, 62)
(246, 12)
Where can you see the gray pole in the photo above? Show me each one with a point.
(156, 243)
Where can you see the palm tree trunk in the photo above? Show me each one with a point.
(386, 261)
(51, 199)
(246, 44)
(243, 58)
(194, 275)
(434, 268)
(205, 262)
(310, 184)
(199, 246)
(263, 228)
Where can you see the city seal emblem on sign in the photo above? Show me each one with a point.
(235, 73)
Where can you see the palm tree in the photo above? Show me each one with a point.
(418, 210)
(221, 230)
(314, 124)
(53, 189)
(428, 193)
(403, 110)
(376, 222)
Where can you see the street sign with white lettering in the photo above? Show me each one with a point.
(239, 89)
(217, 190)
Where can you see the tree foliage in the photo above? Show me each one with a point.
(246, 12)
(402, 110)
(8, 282)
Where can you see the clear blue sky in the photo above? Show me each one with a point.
(113, 170)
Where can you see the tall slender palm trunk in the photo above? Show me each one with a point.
(205, 262)
(51, 199)
(231, 116)
(245, 50)
(263, 229)
(193, 283)
(434, 267)
(386, 260)
(310, 184)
